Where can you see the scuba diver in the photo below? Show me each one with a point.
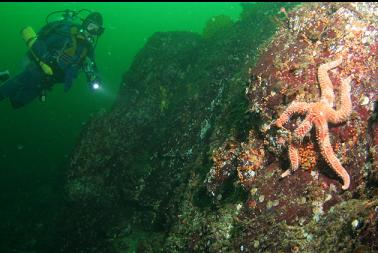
(56, 55)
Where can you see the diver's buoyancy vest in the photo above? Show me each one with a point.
(63, 43)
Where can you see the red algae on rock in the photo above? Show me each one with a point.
(287, 71)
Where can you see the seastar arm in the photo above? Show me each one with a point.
(294, 160)
(325, 83)
(345, 107)
(294, 107)
(328, 154)
(303, 128)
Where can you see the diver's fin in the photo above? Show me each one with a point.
(4, 75)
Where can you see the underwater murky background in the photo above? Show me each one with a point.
(37, 139)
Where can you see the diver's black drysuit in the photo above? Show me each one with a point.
(60, 46)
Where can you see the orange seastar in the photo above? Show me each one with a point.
(319, 114)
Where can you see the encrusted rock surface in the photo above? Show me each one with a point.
(188, 158)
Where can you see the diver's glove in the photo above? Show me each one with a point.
(95, 83)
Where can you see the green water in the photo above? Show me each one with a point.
(36, 140)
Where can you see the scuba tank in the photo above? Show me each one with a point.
(30, 37)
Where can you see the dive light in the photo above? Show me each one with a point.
(95, 85)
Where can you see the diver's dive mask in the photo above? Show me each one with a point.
(91, 32)
(93, 24)
(94, 29)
